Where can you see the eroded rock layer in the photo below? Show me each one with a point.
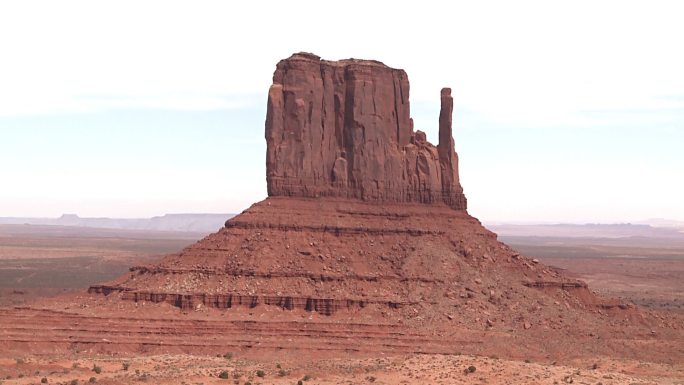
(328, 255)
(343, 129)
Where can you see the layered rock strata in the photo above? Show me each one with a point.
(363, 214)
(343, 129)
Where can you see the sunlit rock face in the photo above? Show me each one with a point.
(344, 129)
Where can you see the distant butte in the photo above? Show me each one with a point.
(344, 129)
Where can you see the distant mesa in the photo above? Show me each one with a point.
(344, 129)
(194, 223)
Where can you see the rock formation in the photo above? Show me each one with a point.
(343, 129)
(356, 245)
(356, 210)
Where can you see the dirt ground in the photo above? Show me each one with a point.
(231, 368)
(647, 272)
(44, 261)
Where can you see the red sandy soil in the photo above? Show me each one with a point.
(400, 369)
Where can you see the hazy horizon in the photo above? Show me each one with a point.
(575, 114)
(654, 222)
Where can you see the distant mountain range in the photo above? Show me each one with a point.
(209, 223)
(660, 222)
(591, 230)
(196, 223)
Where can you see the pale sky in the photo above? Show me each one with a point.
(565, 111)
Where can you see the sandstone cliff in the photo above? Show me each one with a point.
(343, 129)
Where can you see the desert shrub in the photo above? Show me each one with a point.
(306, 377)
(97, 369)
(73, 382)
(75, 365)
(126, 365)
(92, 380)
(248, 383)
(43, 380)
(260, 373)
(470, 369)
(300, 382)
(20, 361)
(228, 356)
(224, 375)
(278, 366)
(282, 373)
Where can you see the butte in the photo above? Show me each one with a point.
(364, 244)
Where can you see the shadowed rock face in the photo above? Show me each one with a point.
(343, 129)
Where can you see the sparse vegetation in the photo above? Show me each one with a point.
(469, 369)
(125, 365)
(73, 382)
(92, 380)
(224, 375)
(97, 369)
(306, 377)
(44, 380)
(228, 356)
(282, 373)
(260, 373)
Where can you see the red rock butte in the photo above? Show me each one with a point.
(362, 211)
(344, 129)
(363, 245)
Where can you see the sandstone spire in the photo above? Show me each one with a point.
(343, 129)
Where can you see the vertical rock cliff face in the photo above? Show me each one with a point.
(343, 129)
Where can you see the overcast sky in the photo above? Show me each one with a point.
(567, 111)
